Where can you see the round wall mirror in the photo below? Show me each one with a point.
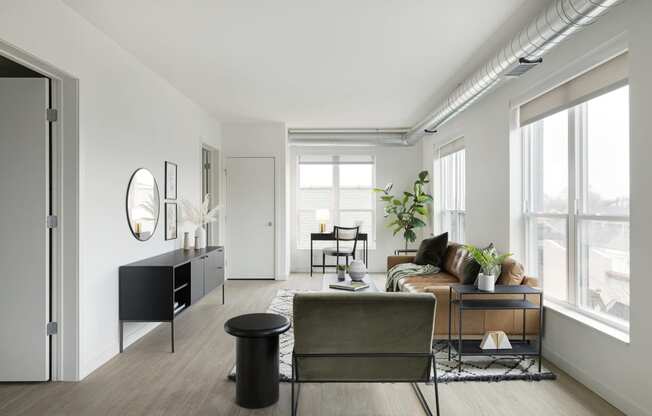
(143, 204)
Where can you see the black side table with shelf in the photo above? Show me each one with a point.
(468, 347)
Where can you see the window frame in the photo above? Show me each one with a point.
(458, 214)
(334, 207)
(576, 211)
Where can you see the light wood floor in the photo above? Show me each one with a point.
(148, 380)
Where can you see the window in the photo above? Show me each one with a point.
(341, 184)
(452, 205)
(576, 177)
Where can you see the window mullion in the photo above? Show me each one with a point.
(336, 190)
(573, 164)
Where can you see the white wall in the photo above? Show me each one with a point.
(263, 139)
(129, 118)
(616, 370)
(398, 165)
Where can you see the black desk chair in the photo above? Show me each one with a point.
(342, 235)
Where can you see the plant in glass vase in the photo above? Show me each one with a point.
(199, 217)
(407, 212)
(341, 272)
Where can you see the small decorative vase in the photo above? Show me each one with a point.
(486, 282)
(186, 241)
(200, 237)
(357, 270)
(340, 275)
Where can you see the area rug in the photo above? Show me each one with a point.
(483, 368)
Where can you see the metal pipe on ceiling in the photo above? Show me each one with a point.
(559, 21)
(346, 137)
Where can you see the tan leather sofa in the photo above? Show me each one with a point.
(475, 323)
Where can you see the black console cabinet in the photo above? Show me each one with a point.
(159, 288)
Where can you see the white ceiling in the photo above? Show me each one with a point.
(310, 63)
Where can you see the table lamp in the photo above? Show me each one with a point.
(322, 215)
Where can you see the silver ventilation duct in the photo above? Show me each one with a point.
(346, 137)
(556, 23)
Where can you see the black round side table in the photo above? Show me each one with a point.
(256, 361)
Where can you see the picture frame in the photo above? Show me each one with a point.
(171, 220)
(170, 180)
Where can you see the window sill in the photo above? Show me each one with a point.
(618, 334)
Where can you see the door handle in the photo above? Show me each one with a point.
(269, 224)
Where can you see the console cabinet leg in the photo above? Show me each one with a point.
(172, 334)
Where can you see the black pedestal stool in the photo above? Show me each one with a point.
(257, 354)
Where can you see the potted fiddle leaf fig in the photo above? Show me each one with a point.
(408, 211)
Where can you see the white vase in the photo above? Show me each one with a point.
(186, 241)
(200, 237)
(486, 282)
(357, 270)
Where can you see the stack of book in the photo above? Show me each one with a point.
(352, 286)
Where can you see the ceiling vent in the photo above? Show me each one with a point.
(522, 67)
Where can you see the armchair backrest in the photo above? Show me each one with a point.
(378, 326)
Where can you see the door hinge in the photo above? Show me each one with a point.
(52, 114)
(51, 328)
(52, 221)
(207, 166)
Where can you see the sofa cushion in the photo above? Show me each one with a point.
(416, 283)
(460, 264)
(432, 250)
(512, 273)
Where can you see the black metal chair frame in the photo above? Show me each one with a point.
(336, 231)
(424, 403)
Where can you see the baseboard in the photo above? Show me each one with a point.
(101, 358)
(622, 403)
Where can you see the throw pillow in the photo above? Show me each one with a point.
(432, 250)
(512, 273)
(470, 270)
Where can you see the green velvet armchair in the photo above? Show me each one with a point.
(364, 338)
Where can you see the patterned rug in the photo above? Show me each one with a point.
(483, 368)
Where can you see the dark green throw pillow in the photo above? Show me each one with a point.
(432, 250)
(471, 269)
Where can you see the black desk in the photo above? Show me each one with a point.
(331, 237)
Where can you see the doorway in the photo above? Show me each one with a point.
(26, 223)
(39, 148)
(251, 217)
(210, 185)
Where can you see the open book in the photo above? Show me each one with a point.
(353, 286)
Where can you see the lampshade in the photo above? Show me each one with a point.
(322, 215)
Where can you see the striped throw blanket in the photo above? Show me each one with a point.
(406, 269)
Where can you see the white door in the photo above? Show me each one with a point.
(24, 237)
(250, 219)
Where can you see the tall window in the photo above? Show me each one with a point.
(343, 185)
(577, 202)
(452, 205)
